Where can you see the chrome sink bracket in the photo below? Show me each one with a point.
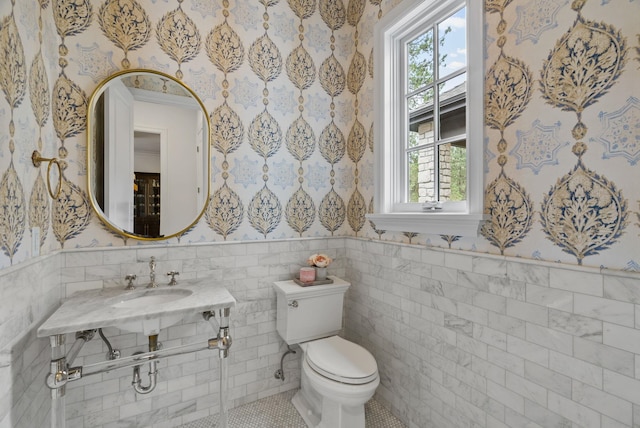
(223, 341)
(279, 374)
(59, 371)
(57, 377)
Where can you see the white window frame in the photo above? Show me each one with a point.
(391, 213)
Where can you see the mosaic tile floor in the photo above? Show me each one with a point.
(277, 411)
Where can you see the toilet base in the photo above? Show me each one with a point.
(334, 415)
(318, 411)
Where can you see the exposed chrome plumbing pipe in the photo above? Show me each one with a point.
(153, 370)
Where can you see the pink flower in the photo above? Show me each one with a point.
(319, 260)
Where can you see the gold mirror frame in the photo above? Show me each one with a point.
(97, 93)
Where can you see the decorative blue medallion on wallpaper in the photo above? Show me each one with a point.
(620, 134)
(583, 213)
(537, 146)
(94, 62)
(535, 18)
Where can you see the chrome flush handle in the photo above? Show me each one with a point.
(293, 304)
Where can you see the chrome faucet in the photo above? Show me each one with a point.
(152, 273)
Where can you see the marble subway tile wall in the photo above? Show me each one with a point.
(470, 340)
(188, 385)
(23, 357)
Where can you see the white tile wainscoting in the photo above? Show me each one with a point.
(462, 339)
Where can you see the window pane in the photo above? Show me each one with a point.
(420, 100)
(421, 168)
(452, 171)
(455, 87)
(453, 43)
(421, 133)
(420, 61)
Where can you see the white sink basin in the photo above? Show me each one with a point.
(143, 310)
(152, 297)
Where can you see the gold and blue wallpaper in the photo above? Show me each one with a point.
(288, 85)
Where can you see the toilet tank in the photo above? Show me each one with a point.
(308, 313)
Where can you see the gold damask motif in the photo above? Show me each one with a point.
(377, 231)
(508, 89)
(511, 213)
(583, 65)
(39, 208)
(265, 135)
(269, 3)
(300, 211)
(300, 139)
(71, 212)
(264, 212)
(370, 137)
(71, 17)
(302, 8)
(496, 5)
(355, 9)
(357, 73)
(39, 90)
(333, 13)
(265, 59)
(583, 213)
(224, 211)
(332, 211)
(332, 77)
(43, 3)
(300, 68)
(69, 108)
(126, 24)
(331, 143)
(227, 129)
(370, 64)
(356, 210)
(12, 212)
(357, 142)
(13, 70)
(178, 37)
(224, 48)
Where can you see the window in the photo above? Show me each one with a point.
(429, 119)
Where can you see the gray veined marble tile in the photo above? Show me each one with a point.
(605, 309)
(576, 325)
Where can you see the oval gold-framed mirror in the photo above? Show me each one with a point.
(148, 155)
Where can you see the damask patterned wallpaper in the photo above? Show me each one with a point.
(289, 87)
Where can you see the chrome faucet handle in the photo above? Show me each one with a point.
(130, 278)
(173, 274)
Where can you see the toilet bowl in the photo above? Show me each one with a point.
(338, 378)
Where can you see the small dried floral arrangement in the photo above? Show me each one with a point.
(319, 260)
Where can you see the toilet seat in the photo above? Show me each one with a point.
(342, 361)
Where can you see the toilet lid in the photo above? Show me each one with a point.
(341, 360)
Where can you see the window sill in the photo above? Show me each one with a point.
(447, 223)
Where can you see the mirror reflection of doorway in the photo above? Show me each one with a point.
(147, 188)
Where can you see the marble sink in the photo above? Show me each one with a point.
(143, 310)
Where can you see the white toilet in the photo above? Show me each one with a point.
(338, 376)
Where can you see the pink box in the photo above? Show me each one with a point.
(307, 274)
